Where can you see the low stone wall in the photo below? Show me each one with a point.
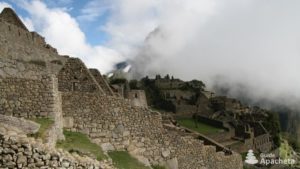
(18, 151)
(114, 124)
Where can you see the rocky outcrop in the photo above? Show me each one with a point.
(27, 127)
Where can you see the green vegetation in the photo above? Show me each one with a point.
(272, 124)
(285, 150)
(133, 84)
(45, 123)
(158, 167)
(198, 126)
(118, 81)
(79, 143)
(292, 140)
(194, 86)
(123, 160)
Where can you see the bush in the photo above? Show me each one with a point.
(118, 81)
(133, 84)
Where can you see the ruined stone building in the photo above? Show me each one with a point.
(35, 81)
(243, 125)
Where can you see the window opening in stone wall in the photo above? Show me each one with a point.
(75, 86)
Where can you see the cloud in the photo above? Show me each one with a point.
(62, 31)
(94, 9)
(4, 5)
(250, 46)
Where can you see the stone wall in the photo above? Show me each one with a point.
(19, 44)
(18, 151)
(21, 69)
(102, 82)
(75, 76)
(29, 98)
(137, 98)
(26, 97)
(11, 17)
(112, 121)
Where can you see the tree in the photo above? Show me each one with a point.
(133, 84)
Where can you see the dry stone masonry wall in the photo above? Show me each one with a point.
(26, 98)
(101, 81)
(114, 124)
(17, 43)
(74, 76)
(18, 151)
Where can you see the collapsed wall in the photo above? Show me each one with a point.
(112, 123)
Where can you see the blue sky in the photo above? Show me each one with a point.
(91, 27)
(100, 32)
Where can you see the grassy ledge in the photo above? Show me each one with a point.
(79, 143)
(45, 123)
(123, 160)
(199, 127)
(158, 167)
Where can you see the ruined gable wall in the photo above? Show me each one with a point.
(74, 76)
(102, 82)
(11, 17)
(19, 44)
(113, 121)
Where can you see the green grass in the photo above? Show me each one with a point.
(201, 127)
(158, 167)
(79, 143)
(123, 160)
(45, 123)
